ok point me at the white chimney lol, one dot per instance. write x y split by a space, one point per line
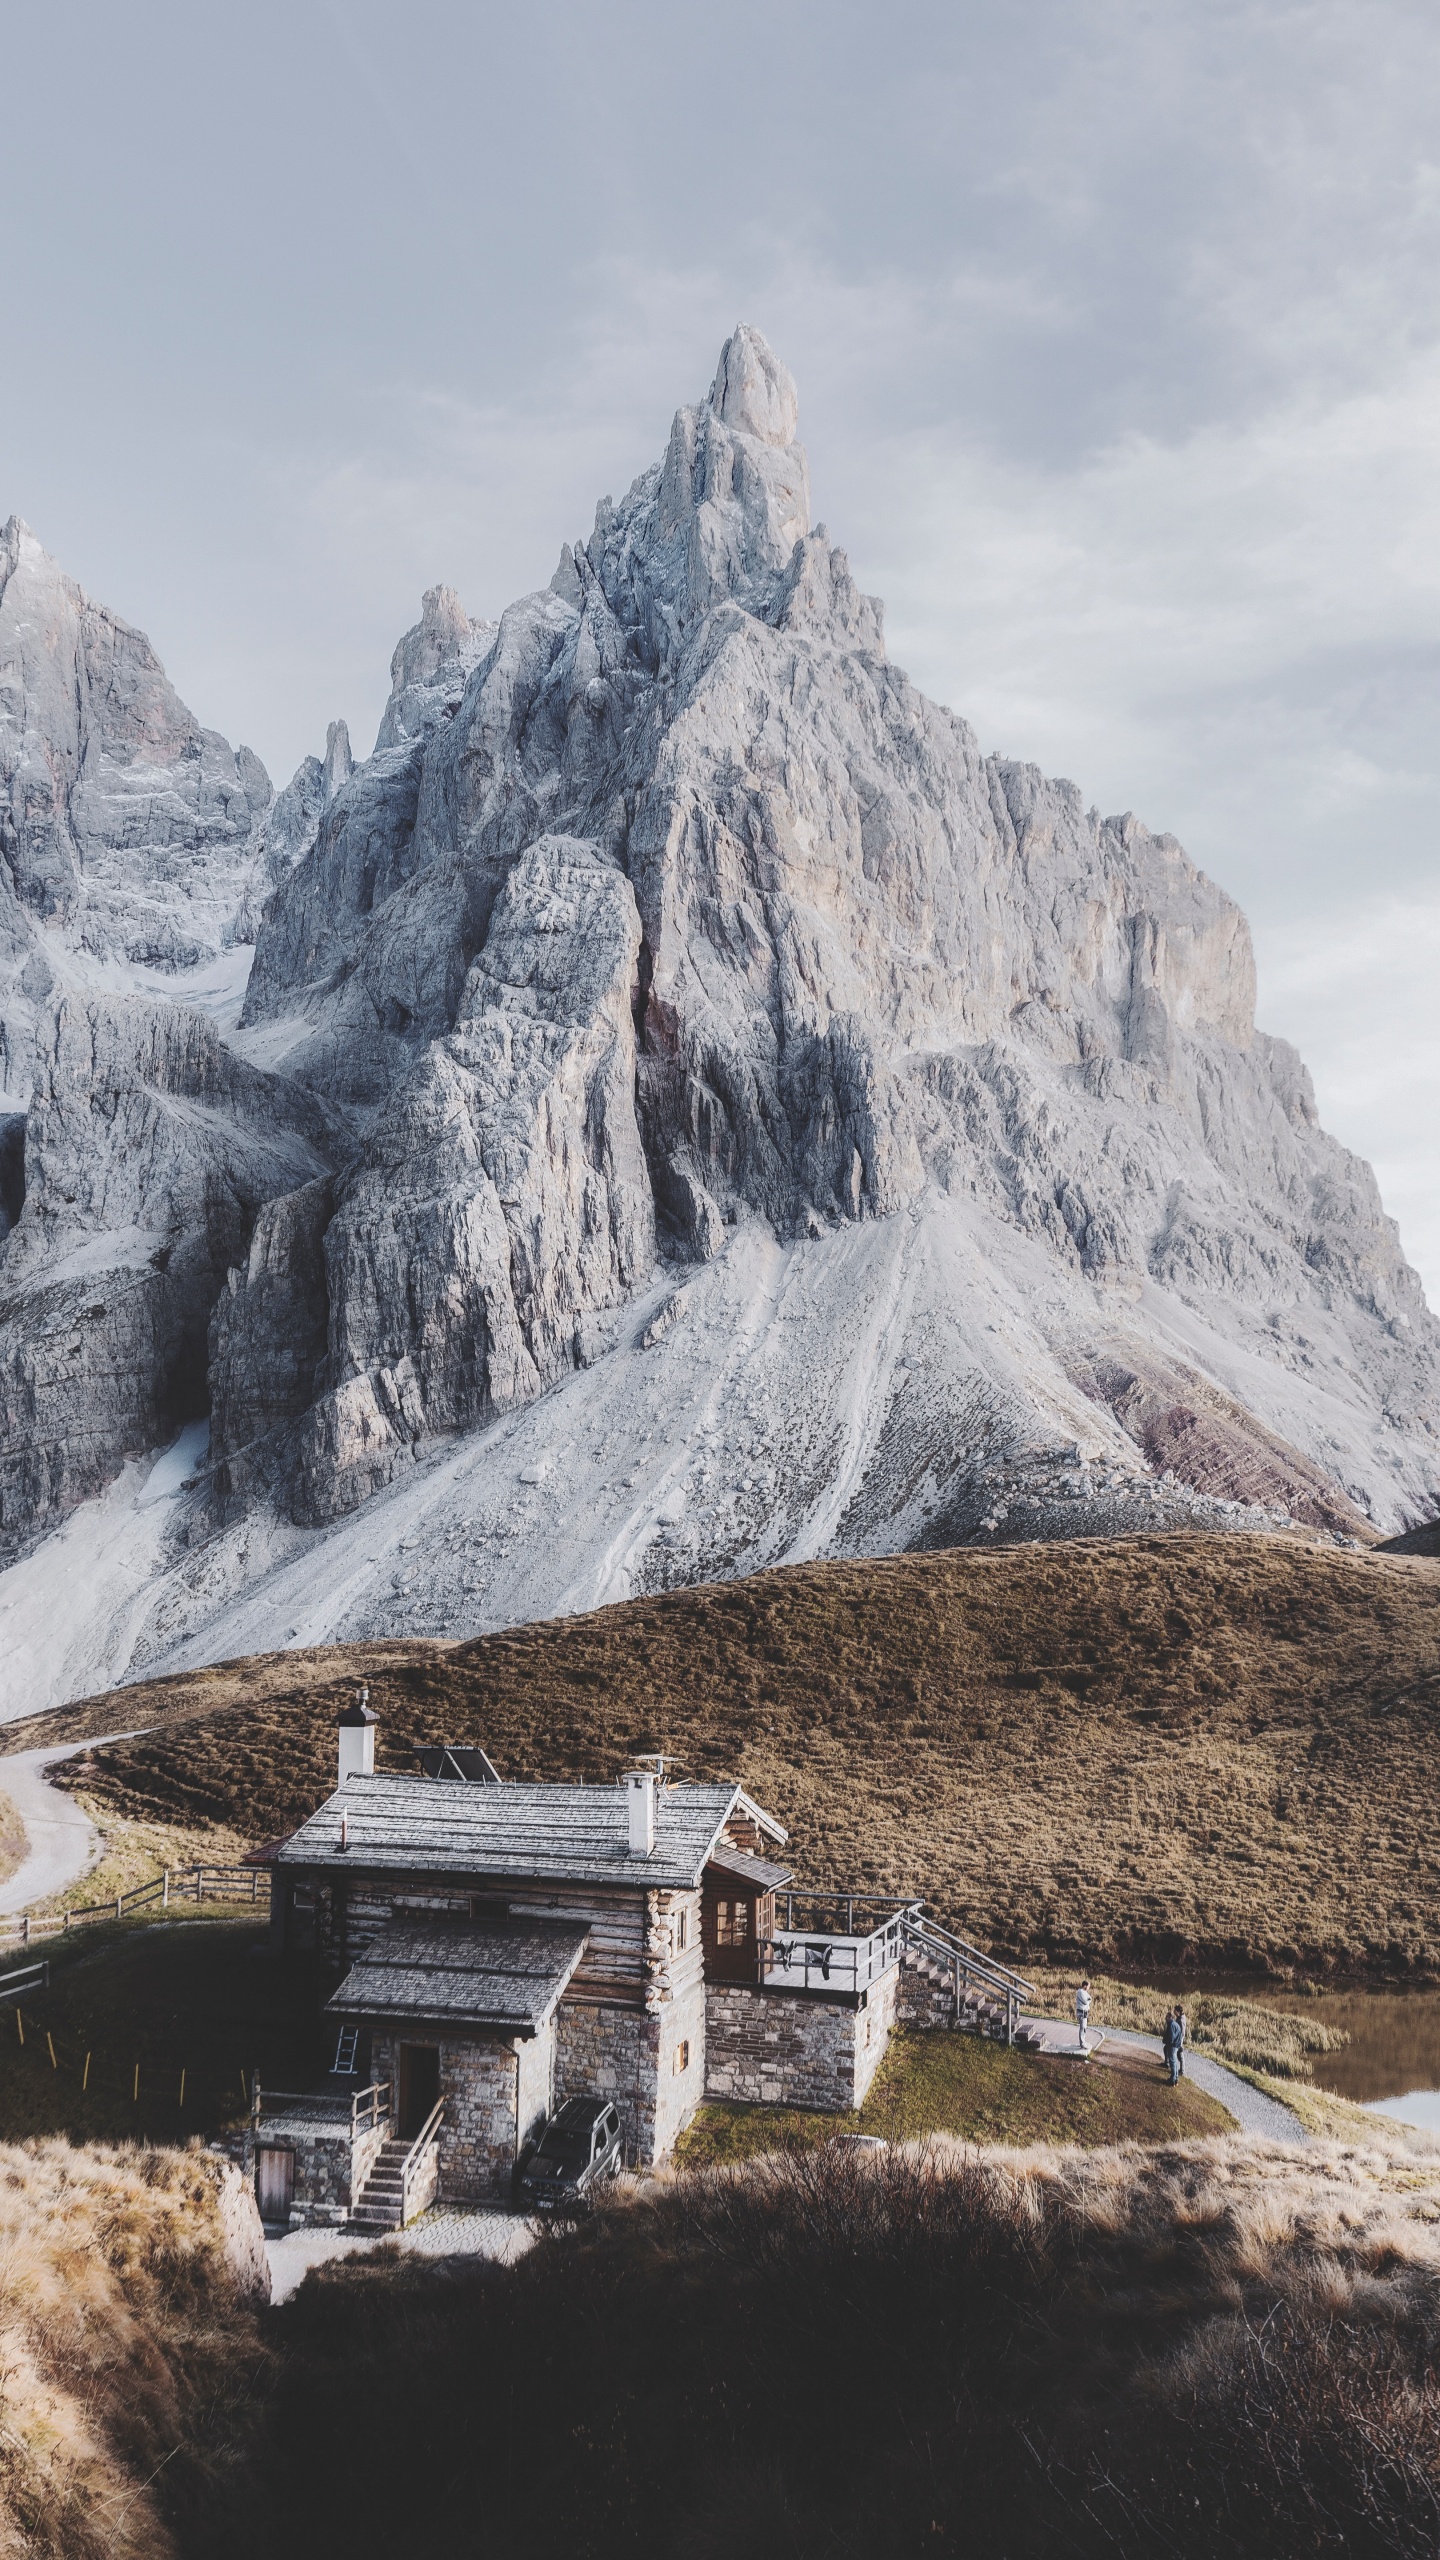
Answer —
357 1738
640 1806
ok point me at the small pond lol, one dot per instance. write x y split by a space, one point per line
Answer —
1392 2062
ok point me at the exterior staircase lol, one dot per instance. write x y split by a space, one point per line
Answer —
381 2205
403 2181
946 1983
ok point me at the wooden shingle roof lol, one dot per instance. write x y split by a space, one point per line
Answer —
752 1870
571 1834
509 1977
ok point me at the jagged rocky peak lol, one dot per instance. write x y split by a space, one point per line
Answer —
871 973
676 984
429 667
129 833
753 391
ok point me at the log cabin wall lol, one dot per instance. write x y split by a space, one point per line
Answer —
743 1833
674 1947
633 1959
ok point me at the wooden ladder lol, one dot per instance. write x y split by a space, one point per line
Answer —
346 2048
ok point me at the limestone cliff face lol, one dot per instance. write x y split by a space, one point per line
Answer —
670 925
128 832
135 1148
149 1149
501 1197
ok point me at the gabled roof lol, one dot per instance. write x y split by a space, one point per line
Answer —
752 1870
559 1834
508 1977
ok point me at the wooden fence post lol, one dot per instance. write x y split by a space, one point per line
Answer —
165 1892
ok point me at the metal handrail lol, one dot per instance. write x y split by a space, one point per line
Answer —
834 1898
922 1929
962 1960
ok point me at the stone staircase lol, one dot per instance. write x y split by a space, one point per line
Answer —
381 2205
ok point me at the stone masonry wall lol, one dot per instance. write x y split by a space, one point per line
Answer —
872 2030
678 2093
609 2052
322 2191
792 2049
478 2082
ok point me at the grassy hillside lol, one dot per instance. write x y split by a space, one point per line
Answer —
1218 1749
152 2033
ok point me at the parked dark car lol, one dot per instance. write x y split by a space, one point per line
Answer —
578 2148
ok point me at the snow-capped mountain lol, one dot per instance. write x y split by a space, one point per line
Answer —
690 1109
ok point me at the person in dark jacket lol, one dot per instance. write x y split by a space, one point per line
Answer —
1171 2037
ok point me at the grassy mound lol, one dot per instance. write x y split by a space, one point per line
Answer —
1219 1750
978 2092
13 1843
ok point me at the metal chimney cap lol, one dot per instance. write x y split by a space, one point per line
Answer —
357 1714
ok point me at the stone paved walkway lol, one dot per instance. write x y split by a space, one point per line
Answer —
446 2232
1252 2110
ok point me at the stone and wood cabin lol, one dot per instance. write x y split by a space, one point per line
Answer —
499 1948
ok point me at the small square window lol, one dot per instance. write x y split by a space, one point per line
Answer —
682 2057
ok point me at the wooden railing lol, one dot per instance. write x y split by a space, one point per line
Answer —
366 2108
26 1977
198 1883
416 2154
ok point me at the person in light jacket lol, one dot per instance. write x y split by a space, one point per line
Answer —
1082 2012
1182 2038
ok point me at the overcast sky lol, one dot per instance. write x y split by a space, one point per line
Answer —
1115 327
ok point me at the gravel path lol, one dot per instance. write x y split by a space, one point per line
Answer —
63 1840
1252 2110
447 2232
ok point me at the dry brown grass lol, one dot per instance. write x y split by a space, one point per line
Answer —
1039 2354
1217 2348
126 2355
1161 1749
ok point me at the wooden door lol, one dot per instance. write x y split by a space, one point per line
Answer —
419 2085
727 1921
274 2181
